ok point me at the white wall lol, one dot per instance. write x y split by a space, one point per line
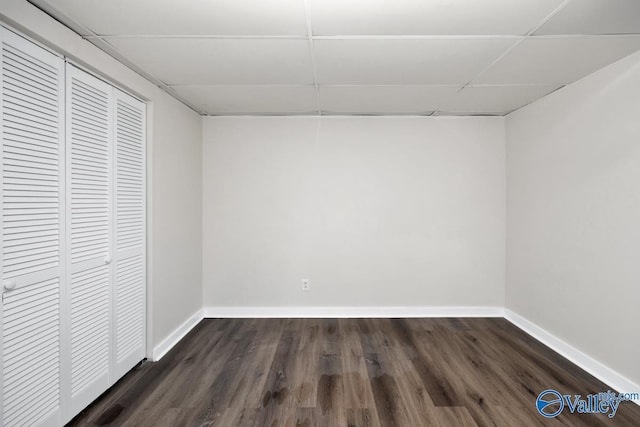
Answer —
573 221
375 211
176 215
174 244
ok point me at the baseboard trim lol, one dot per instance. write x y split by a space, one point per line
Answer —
597 369
174 337
350 312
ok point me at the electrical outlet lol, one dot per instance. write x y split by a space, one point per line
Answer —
306 286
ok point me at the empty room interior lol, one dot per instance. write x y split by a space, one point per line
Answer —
320 212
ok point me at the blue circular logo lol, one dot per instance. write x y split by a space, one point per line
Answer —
550 403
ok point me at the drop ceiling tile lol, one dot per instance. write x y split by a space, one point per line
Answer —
494 99
188 17
405 61
220 61
250 99
559 60
413 17
595 17
384 99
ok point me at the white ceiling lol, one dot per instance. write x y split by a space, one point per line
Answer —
358 56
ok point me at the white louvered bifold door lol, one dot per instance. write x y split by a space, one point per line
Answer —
89 115
129 290
31 166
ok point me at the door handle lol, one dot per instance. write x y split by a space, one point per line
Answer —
9 285
107 260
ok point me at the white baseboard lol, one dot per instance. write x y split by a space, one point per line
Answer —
350 312
600 371
174 337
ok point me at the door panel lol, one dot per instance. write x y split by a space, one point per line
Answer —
32 206
129 313
89 203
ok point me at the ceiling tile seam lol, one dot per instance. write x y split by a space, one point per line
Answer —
470 36
437 110
449 97
421 37
335 37
491 64
200 36
286 114
353 85
326 113
314 68
450 85
197 85
517 43
580 36
322 86
480 85
376 114
547 18
363 37
363 114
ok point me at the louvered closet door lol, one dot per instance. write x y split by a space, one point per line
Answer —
129 290
89 225
32 207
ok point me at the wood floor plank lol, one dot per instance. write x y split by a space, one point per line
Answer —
305 372
350 372
279 383
330 395
357 389
433 371
390 407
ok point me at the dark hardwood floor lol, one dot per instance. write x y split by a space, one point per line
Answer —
350 372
